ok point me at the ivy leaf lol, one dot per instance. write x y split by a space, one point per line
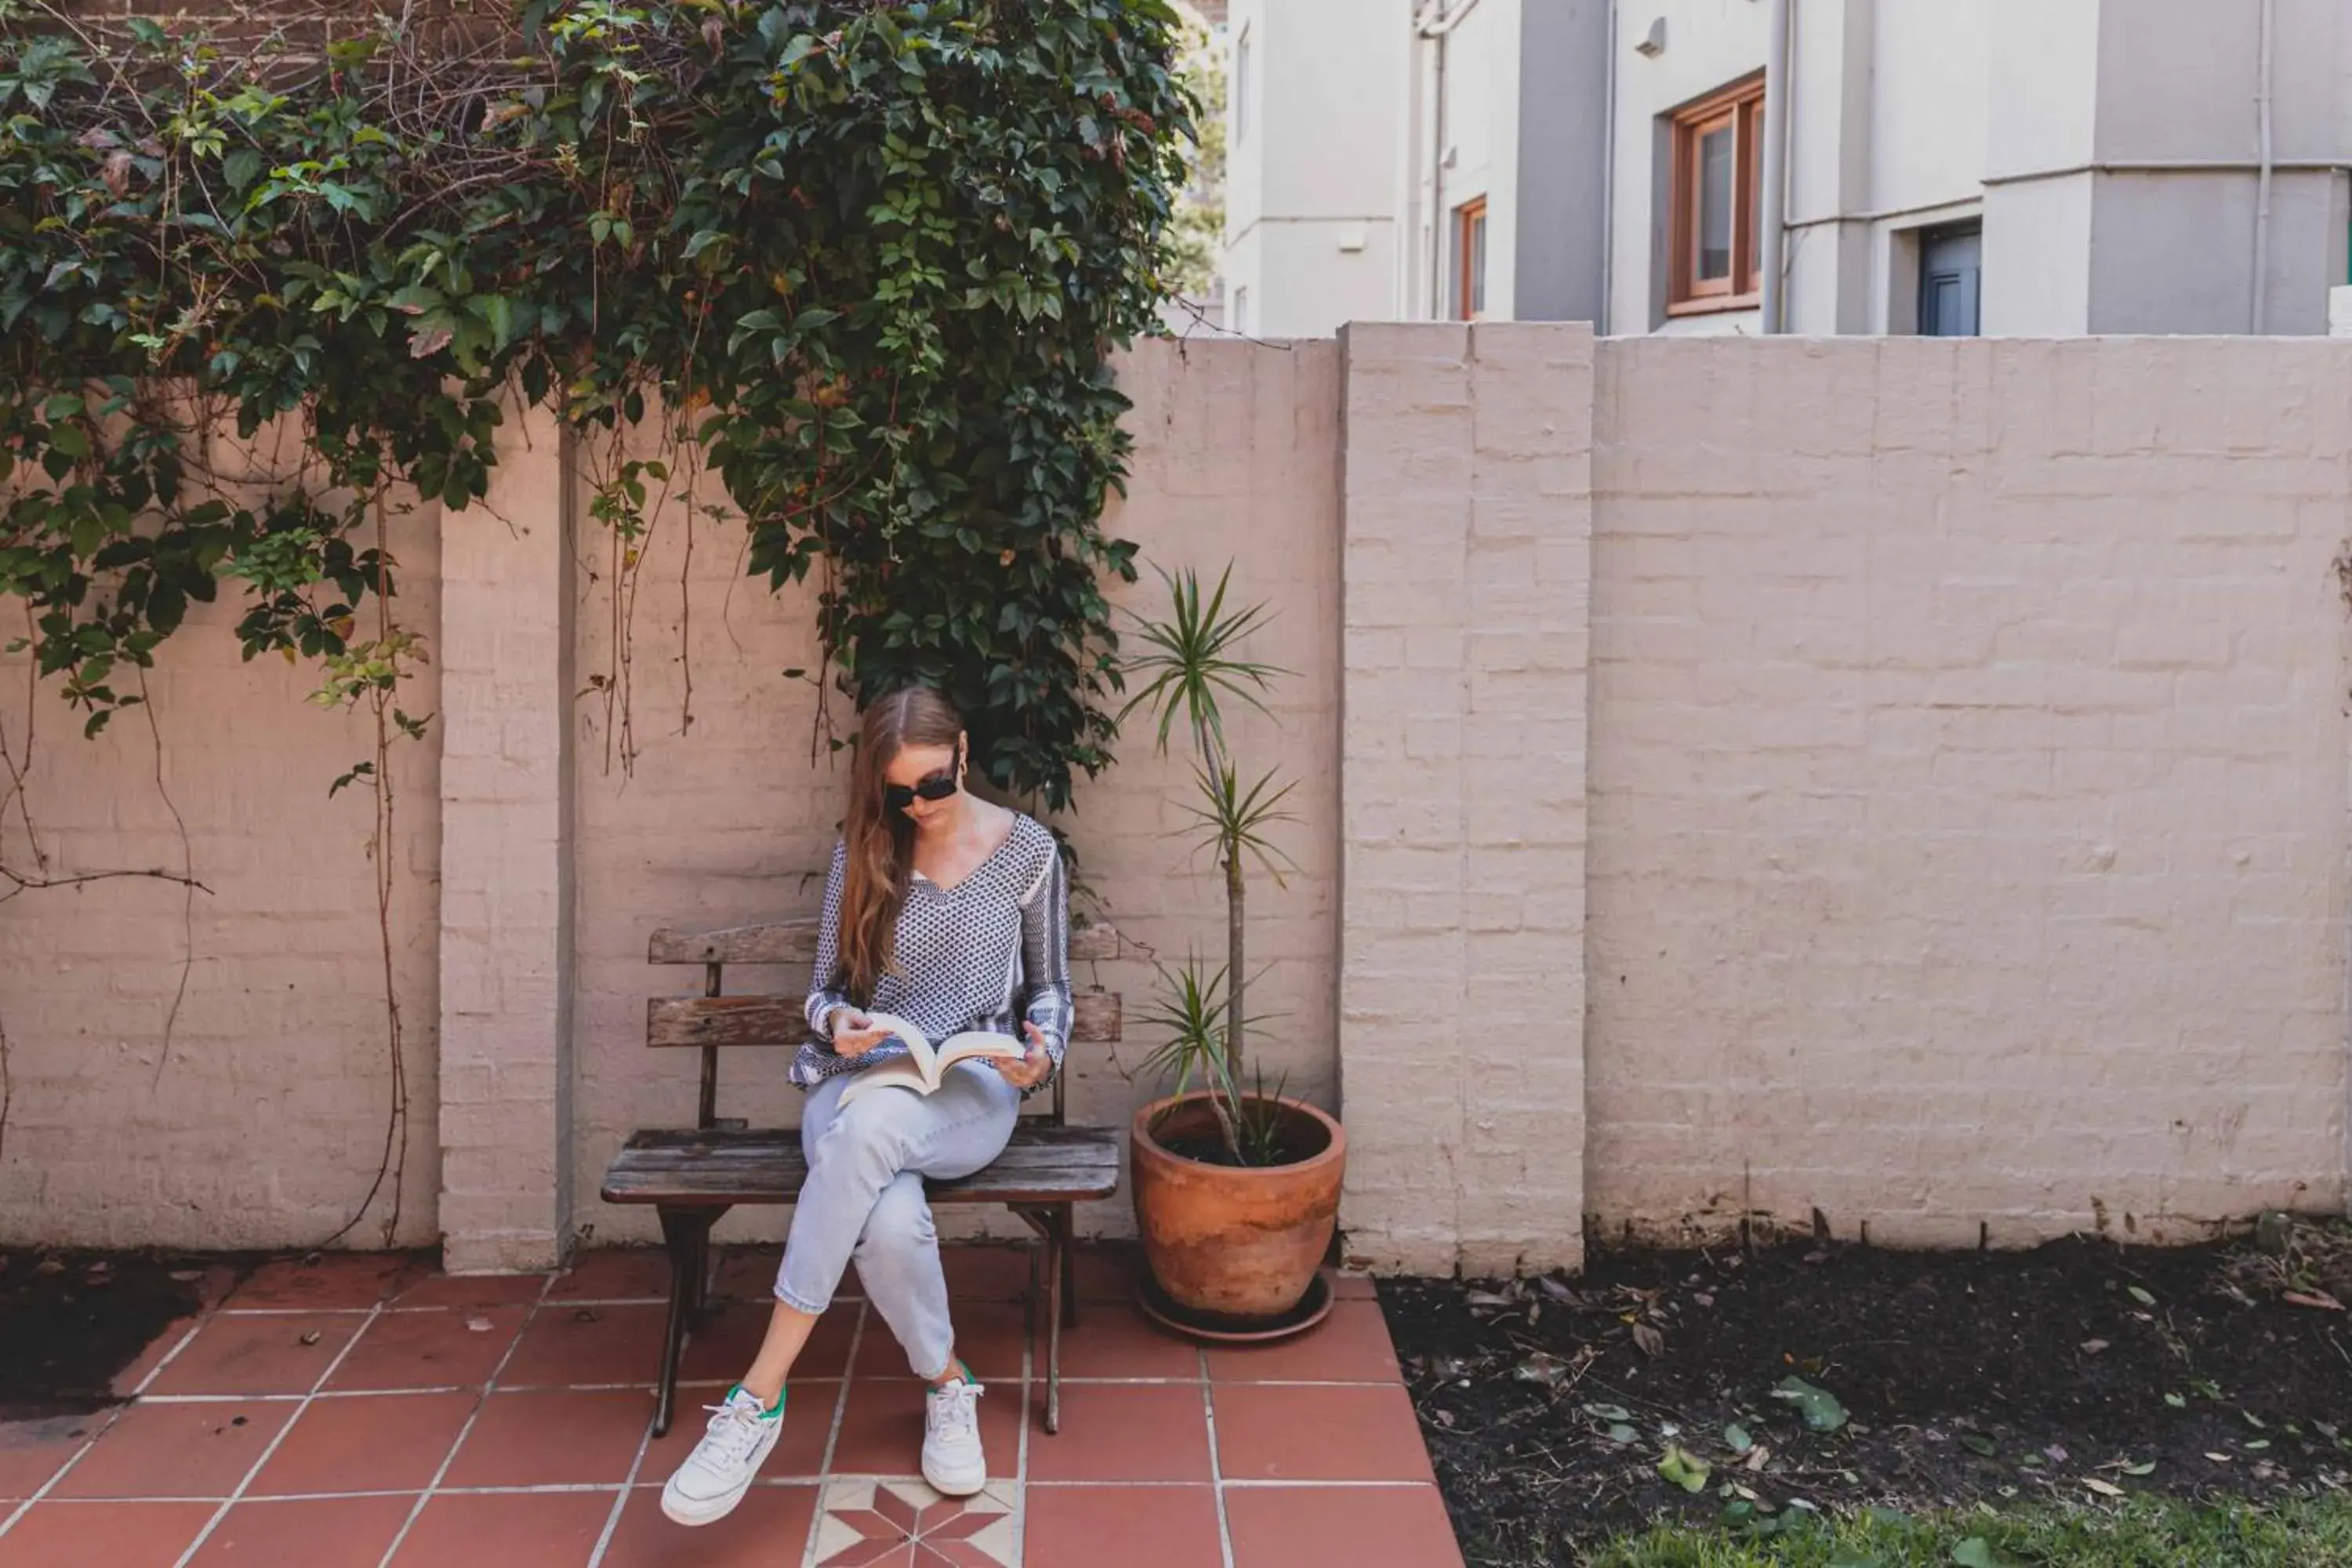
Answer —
241 168
1685 1469
1819 1408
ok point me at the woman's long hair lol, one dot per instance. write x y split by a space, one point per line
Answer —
880 841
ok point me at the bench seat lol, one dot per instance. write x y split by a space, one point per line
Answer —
726 1166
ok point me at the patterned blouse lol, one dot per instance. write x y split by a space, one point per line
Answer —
987 953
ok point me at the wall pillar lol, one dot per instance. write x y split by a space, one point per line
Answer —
1466 603
506 861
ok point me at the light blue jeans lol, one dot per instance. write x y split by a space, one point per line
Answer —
864 1198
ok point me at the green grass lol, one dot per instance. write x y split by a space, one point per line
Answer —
2145 1532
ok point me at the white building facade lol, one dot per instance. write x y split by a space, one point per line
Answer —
1950 167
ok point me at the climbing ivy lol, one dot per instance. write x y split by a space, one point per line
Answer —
866 262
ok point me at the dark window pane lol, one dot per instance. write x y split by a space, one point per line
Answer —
1717 176
1477 262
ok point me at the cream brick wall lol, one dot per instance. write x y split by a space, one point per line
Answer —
1468 571
733 815
264 1123
507 863
1969 785
1906 779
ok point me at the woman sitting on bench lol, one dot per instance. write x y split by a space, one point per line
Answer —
953 913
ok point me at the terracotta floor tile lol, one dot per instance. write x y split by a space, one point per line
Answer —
1351 1286
264 1354
555 1439
1340 1527
474 1290
33 1451
725 1343
769 1528
338 1279
1112 1432
808 1422
1114 1339
1133 1527
1351 1345
1314 1433
1108 1272
372 1443
115 1534
177 1450
986 1272
614 1273
127 1381
512 1530
882 1428
572 1346
989 1336
317 1532
455 1349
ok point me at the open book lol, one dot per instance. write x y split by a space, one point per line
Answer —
925 1065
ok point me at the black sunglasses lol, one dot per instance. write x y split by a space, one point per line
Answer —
938 786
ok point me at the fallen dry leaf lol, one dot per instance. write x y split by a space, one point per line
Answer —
2319 1298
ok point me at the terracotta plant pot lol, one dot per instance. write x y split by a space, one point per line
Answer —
1240 1242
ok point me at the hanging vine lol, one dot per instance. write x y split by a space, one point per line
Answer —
865 260
870 258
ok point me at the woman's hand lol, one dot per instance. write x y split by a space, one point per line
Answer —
1034 1063
854 1034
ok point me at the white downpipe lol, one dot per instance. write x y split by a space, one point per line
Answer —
1609 179
1775 215
2262 291
1434 26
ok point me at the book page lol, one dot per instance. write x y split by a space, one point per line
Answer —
918 1044
979 1043
902 1073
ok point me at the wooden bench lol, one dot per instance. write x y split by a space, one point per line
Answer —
692 1175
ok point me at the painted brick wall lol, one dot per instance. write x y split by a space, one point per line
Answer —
264 1123
1467 569
1969 784
1950 837
729 816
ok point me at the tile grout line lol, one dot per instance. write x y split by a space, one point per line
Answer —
270 1449
1030 1325
784 1483
465 1429
832 1434
138 1392
1216 1465
41 1493
628 1489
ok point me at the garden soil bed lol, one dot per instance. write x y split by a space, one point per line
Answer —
71 1322
2080 1370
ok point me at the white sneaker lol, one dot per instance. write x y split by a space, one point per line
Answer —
715 1477
952 1461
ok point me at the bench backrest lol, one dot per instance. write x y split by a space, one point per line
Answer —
715 1019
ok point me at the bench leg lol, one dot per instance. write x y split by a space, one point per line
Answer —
686 1235
1052 1222
1059 1300
1070 1224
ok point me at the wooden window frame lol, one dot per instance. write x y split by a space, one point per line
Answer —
1740 107
1468 286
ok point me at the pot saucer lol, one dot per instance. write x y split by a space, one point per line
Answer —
1219 1328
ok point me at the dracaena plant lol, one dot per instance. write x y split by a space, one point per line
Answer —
1187 665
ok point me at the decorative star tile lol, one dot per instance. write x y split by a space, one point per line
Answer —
906 1524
